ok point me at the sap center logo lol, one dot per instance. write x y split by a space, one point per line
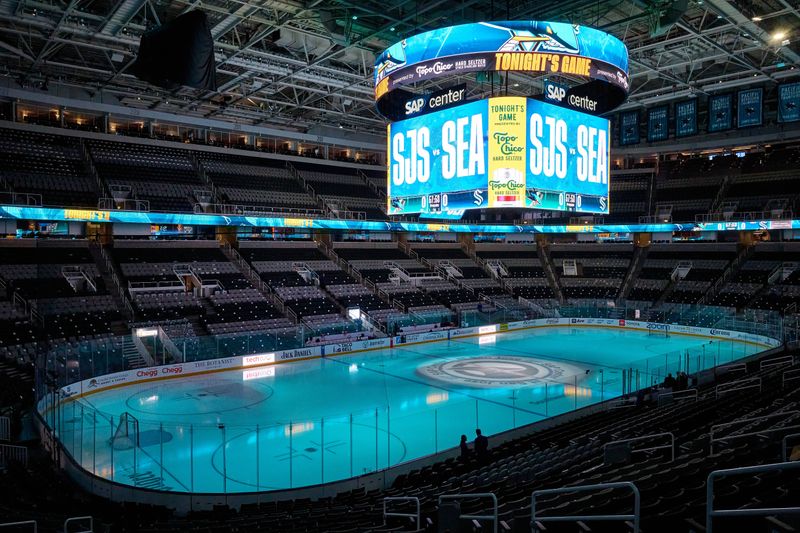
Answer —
497 371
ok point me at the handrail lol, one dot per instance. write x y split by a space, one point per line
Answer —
734 367
14 453
5 428
493 517
790 375
739 384
745 421
23 523
764 511
671 446
786 438
415 516
586 488
680 395
776 361
77 518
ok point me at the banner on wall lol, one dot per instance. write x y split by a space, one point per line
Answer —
629 128
686 118
789 102
750 108
720 112
658 123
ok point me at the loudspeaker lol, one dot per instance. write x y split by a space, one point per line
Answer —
179 52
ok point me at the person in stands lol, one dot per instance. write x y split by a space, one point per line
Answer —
481 447
464 448
669 382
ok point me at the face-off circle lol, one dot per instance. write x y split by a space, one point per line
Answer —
498 371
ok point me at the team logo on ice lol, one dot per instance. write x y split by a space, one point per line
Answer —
496 371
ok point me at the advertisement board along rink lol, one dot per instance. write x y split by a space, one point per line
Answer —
263 426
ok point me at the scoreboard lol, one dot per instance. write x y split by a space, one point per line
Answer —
498 152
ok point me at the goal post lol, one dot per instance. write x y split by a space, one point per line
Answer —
126 436
658 330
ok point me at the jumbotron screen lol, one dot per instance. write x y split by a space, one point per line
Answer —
499 152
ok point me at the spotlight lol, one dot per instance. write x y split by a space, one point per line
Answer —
778 35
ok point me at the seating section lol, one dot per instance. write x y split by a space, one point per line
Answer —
60 284
298 273
776 269
343 189
706 263
594 271
50 166
630 194
730 185
174 177
252 182
164 177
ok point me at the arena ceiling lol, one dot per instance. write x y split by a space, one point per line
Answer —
298 64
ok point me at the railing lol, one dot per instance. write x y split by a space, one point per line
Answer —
155 285
20 524
240 209
745 421
776 361
741 216
677 396
741 384
670 447
784 442
412 499
711 513
493 517
536 521
87 519
127 204
730 369
17 454
790 375
5 428
21 198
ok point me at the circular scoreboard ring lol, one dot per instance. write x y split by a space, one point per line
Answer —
597 58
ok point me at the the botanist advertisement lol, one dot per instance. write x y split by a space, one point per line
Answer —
507 152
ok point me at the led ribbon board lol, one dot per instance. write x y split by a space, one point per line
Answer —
16 212
498 152
598 59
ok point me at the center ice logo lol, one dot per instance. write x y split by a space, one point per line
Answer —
497 371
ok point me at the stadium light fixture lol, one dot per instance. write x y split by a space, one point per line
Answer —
756 19
779 35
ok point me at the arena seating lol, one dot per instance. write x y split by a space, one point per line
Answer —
705 264
247 181
598 269
630 191
342 190
164 177
51 166
59 284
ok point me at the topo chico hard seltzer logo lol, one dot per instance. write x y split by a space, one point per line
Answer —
498 371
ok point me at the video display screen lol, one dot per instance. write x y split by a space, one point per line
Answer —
495 153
